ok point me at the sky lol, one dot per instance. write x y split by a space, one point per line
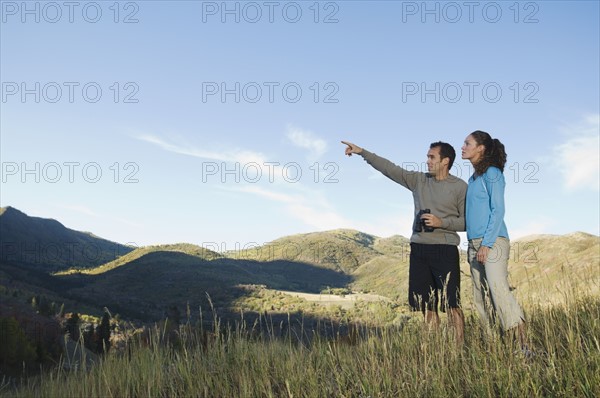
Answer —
219 123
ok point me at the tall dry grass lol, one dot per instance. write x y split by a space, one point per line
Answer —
398 361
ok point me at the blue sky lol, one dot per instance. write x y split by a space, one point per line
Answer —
226 133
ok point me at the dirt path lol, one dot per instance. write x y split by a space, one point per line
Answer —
345 302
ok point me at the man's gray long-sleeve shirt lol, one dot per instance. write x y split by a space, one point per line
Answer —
445 199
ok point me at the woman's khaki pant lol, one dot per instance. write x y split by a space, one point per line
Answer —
492 278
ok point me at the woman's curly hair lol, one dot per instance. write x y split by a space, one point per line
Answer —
494 154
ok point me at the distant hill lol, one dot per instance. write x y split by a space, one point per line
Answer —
305 263
378 265
186 248
545 268
143 282
150 282
342 250
46 244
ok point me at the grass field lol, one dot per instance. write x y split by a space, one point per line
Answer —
389 361
380 350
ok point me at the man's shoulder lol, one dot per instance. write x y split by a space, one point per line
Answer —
459 182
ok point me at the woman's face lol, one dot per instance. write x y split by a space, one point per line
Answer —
471 150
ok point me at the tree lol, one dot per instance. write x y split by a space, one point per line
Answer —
172 326
73 326
15 350
44 307
41 305
90 338
103 332
174 316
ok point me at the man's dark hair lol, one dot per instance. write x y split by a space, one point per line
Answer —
446 151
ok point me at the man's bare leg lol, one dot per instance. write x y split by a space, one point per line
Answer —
432 319
456 319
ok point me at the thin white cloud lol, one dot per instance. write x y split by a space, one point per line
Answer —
310 208
306 140
313 210
578 157
233 155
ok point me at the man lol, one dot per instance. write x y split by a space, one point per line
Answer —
434 258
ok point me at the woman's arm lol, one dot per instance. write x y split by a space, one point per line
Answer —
495 185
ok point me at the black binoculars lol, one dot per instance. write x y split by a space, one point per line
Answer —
420 225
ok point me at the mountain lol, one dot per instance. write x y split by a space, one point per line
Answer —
46 244
143 282
342 250
378 265
157 279
185 273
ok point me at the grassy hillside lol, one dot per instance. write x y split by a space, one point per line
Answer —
279 357
396 246
186 248
545 268
184 273
341 250
143 282
384 275
556 278
150 282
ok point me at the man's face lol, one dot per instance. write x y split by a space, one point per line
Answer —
434 162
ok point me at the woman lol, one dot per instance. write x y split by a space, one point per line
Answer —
489 245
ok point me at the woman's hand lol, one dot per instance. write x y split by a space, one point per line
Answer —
351 148
482 254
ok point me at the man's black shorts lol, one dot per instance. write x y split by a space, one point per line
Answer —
433 269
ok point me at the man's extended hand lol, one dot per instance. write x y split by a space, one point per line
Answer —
432 220
351 148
